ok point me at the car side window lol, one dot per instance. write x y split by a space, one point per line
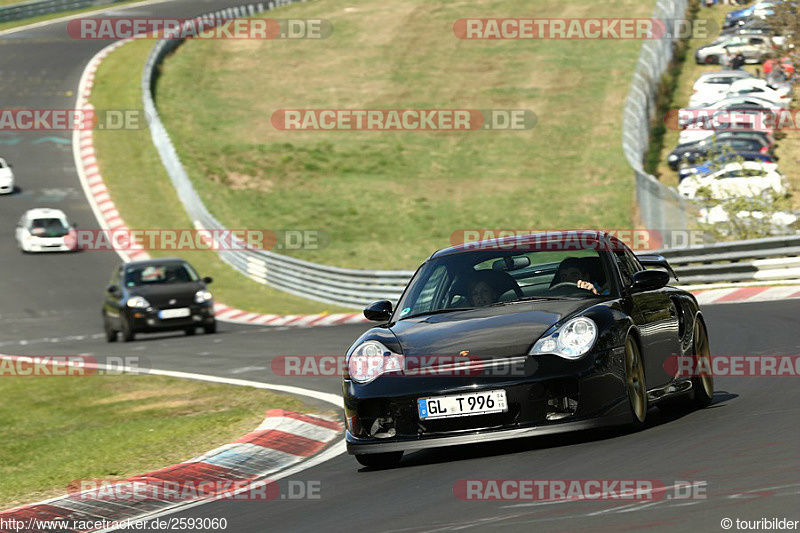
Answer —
628 266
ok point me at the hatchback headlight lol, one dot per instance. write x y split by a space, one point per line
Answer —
202 296
370 360
571 341
138 302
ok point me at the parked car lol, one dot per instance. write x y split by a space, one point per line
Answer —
710 85
693 153
720 160
689 115
754 48
746 118
45 230
748 179
758 11
779 94
499 341
6 177
157 295
752 26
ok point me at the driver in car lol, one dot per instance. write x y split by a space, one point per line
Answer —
571 271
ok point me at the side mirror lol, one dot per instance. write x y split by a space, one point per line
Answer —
649 280
207 280
112 289
379 311
74 225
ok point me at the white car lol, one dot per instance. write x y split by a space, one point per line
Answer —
6 177
712 86
45 230
779 94
748 179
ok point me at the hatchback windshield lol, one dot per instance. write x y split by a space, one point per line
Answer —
484 278
160 274
48 227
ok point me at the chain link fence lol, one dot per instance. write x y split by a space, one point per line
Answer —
660 207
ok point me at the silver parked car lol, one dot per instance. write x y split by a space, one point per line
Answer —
754 48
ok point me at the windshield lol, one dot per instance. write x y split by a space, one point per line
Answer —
48 227
160 275
499 277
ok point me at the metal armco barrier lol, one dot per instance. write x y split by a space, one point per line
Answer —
46 7
340 286
770 259
659 206
758 260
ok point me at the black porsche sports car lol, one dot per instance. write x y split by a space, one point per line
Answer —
520 337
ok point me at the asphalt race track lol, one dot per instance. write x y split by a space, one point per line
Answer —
746 446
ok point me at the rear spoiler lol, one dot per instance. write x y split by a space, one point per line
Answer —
655 260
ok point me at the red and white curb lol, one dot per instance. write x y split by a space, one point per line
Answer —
284 439
746 294
109 217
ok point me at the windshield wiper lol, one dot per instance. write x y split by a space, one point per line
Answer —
531 299
438 312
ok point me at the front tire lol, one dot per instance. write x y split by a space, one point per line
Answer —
702 385
379 460
635 383
210 329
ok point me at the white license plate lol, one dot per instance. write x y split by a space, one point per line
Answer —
473 403
174 313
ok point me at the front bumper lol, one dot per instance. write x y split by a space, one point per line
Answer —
36 247
6 188
554 395
148 321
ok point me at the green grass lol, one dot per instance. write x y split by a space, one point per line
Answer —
42 18
388 199
60 429
146 198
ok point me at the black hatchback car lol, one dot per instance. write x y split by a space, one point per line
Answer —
157 295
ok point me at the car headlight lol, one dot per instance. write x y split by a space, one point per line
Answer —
138 302
202 296
370 360
571 341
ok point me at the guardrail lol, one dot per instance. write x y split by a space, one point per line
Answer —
38 8
659 206
757 260
770 259
340 286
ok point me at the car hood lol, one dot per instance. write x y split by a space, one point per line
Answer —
6 175
488 332
162 295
